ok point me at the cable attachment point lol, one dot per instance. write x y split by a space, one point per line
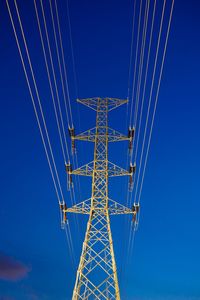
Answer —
63 209
69 175
135 209
131 132
132 171
72 136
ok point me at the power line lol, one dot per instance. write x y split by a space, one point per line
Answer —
58 188
133 228
128 198
140 67
63 60
65 73
145 79
72 51
135 66
143 43
70 243
150 98
50 84
44 52
101 103
144 88
131 48
54 75
156 100
36 89
141 62
153 117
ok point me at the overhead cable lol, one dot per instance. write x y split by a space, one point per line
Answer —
33 101
51 87
145 81
150 98
54 75
135 65
156 100
142 52
63 62
131 48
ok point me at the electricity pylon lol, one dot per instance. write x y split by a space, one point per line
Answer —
97 272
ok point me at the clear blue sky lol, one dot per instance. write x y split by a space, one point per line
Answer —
33 249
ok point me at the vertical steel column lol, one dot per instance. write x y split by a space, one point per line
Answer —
97 273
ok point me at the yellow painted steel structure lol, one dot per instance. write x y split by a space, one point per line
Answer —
97 272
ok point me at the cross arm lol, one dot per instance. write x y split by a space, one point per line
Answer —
112 169
114 208
90 135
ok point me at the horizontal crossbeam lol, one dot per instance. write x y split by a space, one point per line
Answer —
110 103
90 135
114 208
112 169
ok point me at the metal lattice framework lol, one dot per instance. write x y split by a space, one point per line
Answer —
97 272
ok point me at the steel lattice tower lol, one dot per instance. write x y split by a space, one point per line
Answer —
97 272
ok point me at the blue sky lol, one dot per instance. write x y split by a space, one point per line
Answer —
165 261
